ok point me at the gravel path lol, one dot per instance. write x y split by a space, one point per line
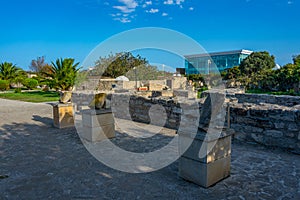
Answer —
39 161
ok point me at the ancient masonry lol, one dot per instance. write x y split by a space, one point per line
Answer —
265 119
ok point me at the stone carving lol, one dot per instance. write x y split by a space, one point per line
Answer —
65 97
212 107
99 101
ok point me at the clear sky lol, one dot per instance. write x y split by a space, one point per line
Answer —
73 28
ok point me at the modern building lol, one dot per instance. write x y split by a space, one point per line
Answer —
214 62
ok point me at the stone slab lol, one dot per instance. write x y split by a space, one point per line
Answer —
202 174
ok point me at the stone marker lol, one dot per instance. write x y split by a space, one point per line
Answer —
63 116
207 160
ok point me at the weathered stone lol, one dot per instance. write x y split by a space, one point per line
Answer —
167 93
65 97
259 113
279 125
289 134
214 150
202 174
97 125
252 129
184 115
97 134
257 137
97 119
240 111
273 133
212 107
293 127
63 115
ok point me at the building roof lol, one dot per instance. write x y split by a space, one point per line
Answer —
242 51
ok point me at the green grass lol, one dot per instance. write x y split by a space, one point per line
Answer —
33 96
256 91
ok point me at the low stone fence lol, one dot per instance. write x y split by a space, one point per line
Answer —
267 124
143 109
282 100
276 122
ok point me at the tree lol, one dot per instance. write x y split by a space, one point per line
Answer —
63 74
30 83
232 73
117 65
38 64
288 76
4 85
11 73
296 60
255 68
146 72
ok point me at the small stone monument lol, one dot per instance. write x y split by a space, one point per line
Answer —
98 122
63 115
207 160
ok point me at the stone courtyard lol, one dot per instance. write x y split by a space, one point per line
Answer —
39 161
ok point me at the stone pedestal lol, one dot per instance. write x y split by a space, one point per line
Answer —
63 115
97 125
209 166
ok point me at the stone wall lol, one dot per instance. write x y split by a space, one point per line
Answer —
269 124
282 100
138 109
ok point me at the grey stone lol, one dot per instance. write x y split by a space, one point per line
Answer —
273 133
214 150
202 174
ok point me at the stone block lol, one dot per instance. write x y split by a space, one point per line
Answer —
63 115
273 133
181 93
92 118
213 150
155 86
167 93
203 174
97 134
97 125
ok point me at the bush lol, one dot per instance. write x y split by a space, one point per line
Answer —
4 85
30 83
201 90
18 90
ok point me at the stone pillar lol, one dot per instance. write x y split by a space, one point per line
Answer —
207 159
63 115
210 167
97 125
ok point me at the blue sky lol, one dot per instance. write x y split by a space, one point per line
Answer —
73 28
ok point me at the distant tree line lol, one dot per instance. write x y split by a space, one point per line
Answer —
258 72
59 75
126 64
63 74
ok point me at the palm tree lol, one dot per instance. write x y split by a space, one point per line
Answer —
11 73
63 73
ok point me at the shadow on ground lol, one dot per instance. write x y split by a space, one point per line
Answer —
39 161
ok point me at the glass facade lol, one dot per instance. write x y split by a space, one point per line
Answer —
214 62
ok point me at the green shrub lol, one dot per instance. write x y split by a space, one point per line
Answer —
204 88
4 85
30 83
18 90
